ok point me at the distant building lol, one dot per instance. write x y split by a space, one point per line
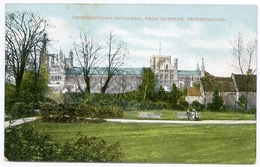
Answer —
167 73
230 90
63 77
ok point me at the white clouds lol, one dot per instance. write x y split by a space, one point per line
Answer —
210 43
62 33
172 30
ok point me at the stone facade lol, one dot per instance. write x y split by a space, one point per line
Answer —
63 77
167 73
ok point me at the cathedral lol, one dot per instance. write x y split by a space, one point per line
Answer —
63 77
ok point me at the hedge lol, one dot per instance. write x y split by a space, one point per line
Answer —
75 112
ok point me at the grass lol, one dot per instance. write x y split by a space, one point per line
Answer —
206 115
167 143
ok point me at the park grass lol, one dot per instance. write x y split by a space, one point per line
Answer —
206 115
166 143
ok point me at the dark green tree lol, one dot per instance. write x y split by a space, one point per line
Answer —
217 103
161 94
147 89
175 95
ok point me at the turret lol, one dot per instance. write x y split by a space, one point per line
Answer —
202 68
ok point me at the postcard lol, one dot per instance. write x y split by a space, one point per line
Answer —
130 83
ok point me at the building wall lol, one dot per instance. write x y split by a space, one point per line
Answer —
119 84
251 99
229 98
166 73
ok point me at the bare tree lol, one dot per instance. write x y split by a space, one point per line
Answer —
115 56
24 32
244 54
245 60
86 58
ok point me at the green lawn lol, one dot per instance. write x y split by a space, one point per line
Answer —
206 115
167 143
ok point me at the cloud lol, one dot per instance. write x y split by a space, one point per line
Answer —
210 43
172 30
61 33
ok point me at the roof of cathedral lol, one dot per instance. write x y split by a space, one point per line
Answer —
188 73
103 71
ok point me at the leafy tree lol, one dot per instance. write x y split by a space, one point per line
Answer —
161 94
175 94
217 102
147 89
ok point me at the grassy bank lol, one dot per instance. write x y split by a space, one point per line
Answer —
167 143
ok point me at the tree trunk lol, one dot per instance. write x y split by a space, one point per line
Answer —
104 88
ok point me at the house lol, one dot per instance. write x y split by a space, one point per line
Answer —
246 85
229 88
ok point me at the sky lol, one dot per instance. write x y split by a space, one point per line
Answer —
186 32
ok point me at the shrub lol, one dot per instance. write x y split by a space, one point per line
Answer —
24 144
196 105
184 104
74 112
20 110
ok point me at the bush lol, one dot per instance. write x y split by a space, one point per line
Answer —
24 144
184 104
196 105
21 110
74 112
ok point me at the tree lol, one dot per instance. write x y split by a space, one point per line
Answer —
217 102
115 56
244 55
86 58
147 88
245 59
24 32
175 94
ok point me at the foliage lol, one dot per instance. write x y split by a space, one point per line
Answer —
161 94
24 144
91 149
147 89
25 34
196 105
242 101
175 94
75 112
9 97
184 104
21 110
217 102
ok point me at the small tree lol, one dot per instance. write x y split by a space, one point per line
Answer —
217 103
161 94
175 95
147 89
242 101
117 50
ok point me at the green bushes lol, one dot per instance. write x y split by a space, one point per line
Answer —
74 112
21 110
24 144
